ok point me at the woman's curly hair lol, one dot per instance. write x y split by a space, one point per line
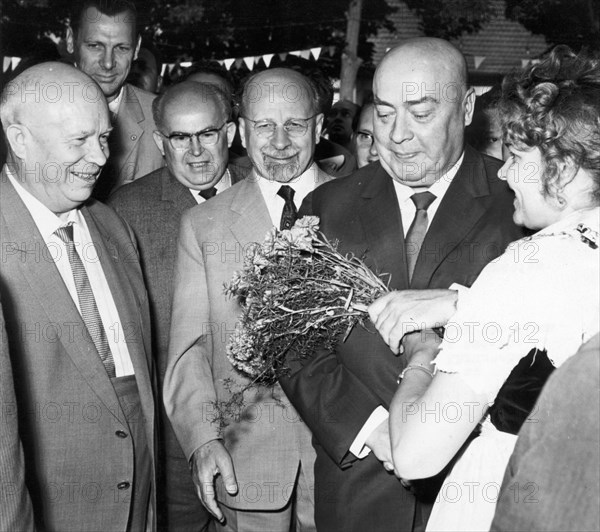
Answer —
554 105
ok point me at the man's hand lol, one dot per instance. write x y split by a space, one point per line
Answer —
208 461
380 445
404 311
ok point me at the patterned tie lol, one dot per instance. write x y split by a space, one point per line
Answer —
208 193
290 213
418 229
87 303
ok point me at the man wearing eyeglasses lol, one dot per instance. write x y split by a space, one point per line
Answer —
258 473
193 134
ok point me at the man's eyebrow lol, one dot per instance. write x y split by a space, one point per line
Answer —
425 99
377 101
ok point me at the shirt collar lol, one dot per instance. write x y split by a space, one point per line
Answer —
116 103
439 188
302 185
47 222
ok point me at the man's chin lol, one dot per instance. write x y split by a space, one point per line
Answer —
283 173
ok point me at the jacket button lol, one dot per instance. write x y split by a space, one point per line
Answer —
133 137
121 434
123 485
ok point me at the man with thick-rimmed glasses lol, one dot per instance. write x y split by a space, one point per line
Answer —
193 133
258 475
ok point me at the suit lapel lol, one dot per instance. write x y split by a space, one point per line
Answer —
464 203
380 217
250 217
174 192
52 295
128 131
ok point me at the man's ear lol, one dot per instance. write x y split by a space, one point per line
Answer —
70 40
158 140
231 128
137 47
319 126
16 136
242 126
469 103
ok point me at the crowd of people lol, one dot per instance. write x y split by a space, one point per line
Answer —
470 399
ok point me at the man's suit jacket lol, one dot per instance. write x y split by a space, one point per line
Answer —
75 435
133 152
335 393
268 441
16 513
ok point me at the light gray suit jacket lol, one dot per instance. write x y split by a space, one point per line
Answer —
133 152
15 505
269 441
70 419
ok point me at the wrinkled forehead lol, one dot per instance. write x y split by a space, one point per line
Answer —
192 112
121 24
289 96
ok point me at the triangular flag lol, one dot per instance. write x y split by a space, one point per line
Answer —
524 63
239 62
282 56
185 64
15 62
296 53
331 50
316 52
305 54
6 64
228 63
478 60
220 61
249 62
267 59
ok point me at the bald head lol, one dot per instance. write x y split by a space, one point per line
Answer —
56 123
189 95
279 83
422 105
43 91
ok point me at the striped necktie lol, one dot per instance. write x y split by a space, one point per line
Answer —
87 302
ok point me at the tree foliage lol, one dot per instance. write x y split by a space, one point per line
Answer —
572 22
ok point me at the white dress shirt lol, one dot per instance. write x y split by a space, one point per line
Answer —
407 212
302 185
47 222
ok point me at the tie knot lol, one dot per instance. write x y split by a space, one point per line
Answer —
65 233
423 200
287 193
208 193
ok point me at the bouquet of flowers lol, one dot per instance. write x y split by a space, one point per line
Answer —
298 294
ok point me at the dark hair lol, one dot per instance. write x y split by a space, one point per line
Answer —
106 7
555 106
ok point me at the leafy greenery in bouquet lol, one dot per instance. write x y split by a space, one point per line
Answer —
297 294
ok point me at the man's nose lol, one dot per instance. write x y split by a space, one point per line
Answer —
280 138
196 147
107 60
401 130
98 152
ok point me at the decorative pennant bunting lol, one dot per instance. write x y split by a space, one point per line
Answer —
524 62
228 63
6 64
331 50
267 59
282 56
296 53
239 62
305 54
249 62
316 52
15 62
478 59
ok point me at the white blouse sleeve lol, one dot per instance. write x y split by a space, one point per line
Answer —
541 293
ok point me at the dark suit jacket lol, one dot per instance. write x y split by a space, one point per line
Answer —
70 419
16 513
336 393
133 152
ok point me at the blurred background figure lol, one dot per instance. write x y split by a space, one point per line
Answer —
485 131
341 122
146 69
362 143
212 73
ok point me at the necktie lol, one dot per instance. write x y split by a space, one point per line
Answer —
418 229
87 303
208 193
290 213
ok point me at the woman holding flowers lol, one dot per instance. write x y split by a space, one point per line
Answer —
540 297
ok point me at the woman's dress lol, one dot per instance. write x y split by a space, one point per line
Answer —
541 295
